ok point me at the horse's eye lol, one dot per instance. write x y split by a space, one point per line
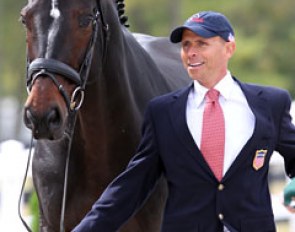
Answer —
85 20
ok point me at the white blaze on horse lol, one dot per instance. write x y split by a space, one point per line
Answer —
54 12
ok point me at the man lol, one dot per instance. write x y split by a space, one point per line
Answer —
212 141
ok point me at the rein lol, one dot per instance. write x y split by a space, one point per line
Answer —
23 187
49 68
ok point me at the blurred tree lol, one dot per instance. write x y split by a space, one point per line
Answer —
265 33
12 50
12 58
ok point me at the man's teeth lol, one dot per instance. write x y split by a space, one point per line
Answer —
195 64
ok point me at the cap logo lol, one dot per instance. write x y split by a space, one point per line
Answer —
196 18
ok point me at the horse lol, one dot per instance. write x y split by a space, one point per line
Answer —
89 79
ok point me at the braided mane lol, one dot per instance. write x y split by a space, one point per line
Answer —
121 10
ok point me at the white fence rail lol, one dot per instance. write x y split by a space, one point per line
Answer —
13 160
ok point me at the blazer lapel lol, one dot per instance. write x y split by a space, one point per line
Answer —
178 119
258 105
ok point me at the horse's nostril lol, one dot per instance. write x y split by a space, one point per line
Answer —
43 124
28 118
54 118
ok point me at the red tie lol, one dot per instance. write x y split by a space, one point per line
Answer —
213 133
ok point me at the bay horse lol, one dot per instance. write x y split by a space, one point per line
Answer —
81 51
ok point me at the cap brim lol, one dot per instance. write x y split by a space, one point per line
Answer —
176 34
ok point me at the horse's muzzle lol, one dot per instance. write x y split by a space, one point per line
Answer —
48 125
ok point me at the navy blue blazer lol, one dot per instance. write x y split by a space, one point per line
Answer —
196 200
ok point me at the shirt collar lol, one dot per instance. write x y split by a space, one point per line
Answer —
224 86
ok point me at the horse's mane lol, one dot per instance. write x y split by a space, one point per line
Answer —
121 10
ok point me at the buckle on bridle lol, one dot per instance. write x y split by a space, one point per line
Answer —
77 99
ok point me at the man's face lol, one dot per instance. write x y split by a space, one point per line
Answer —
205 59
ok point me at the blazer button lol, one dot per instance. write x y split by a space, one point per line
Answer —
220 187
220 216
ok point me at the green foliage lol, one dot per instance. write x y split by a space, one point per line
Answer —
34 208
12 49
265 34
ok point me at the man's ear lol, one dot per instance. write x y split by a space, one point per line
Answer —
230 48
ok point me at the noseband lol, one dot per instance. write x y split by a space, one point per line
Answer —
51 67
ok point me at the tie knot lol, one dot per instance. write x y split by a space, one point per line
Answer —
212 95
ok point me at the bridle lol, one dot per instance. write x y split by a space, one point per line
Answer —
50 68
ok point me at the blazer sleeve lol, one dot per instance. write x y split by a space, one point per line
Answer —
127 193
286 139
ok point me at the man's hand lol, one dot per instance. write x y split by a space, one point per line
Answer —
289 195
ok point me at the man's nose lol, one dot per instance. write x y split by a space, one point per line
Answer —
193 51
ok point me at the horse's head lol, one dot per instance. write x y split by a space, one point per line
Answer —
60 38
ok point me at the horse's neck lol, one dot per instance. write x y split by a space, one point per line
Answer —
108 125
111 116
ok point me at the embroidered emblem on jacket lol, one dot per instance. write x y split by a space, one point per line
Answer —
259 159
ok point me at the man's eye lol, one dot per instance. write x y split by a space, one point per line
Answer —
201 43
185 44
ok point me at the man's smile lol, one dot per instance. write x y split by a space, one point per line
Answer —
195 65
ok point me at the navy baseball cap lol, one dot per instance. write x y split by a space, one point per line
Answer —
205 24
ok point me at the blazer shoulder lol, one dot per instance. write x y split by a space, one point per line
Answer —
267 91
271 89
171 96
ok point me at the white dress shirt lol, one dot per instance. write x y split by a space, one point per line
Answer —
239 119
